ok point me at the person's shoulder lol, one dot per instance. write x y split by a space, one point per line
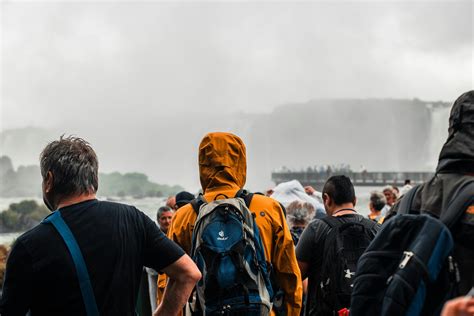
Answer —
262 201
34 236
184 214
318 224
116 206
314 232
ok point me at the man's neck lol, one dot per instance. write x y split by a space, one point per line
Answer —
67 201
343 209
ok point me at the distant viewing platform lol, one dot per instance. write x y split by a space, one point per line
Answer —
364 178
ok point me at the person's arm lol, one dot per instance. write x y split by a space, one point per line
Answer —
182 277
17 285
286 268
306 250
461 306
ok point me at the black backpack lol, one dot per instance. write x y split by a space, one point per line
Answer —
344 244
409 269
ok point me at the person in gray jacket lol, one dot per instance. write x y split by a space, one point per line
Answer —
455 170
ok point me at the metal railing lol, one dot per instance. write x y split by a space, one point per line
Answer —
358 178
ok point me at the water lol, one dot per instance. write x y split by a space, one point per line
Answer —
149 206
8 238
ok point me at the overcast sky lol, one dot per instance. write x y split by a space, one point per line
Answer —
73 63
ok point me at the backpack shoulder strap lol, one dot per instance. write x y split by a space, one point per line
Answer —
81 269
331 221
197 202
406 202
458 205
368 224
246 196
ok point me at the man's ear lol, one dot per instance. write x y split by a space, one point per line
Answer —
48 182
355 201
326 199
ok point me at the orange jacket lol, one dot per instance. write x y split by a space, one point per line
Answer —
222 168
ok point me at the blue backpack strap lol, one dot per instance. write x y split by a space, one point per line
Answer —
84 281
406 202
458 205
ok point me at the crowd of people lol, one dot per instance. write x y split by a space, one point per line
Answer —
227 251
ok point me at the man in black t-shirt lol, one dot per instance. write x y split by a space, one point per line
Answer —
115 240
339 201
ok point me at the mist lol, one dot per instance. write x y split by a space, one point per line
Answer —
144 82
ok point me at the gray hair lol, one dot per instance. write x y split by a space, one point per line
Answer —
74 166
378 200
299 212
161 210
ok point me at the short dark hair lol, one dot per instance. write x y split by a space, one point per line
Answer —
407 181
161 210
378 200
340 189
74 166
183 198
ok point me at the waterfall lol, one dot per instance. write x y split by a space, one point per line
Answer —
438 132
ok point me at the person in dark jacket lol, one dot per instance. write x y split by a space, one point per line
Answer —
115 240
455 170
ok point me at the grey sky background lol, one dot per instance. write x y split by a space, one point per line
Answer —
78 66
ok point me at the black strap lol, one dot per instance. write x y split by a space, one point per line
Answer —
197 203
283 208
458 205
331 221
243 194
246 196
406 202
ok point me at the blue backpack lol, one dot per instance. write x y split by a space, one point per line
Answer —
408 269
228 251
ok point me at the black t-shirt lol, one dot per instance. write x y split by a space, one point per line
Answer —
116 241
310 250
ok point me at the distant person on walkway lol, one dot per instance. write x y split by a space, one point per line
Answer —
376 204
329 248
115 240
223 171
455 171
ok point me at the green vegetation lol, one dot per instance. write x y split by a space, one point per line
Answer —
133 184
26 182
22 216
